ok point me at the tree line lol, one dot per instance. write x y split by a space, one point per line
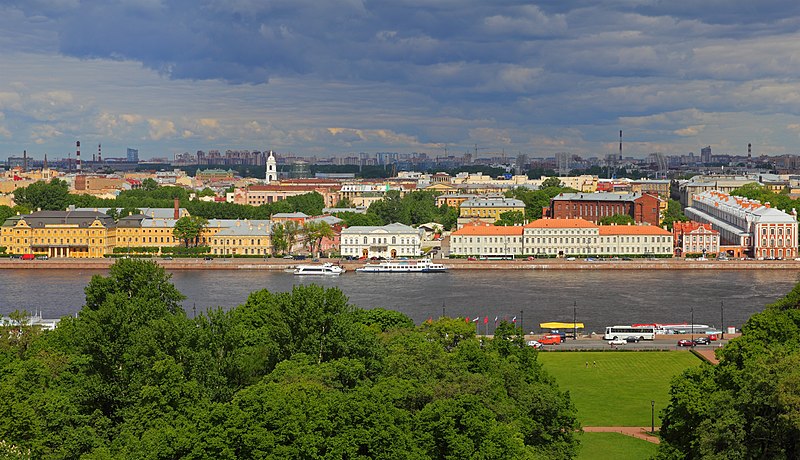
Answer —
300 374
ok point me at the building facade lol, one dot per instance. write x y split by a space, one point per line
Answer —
762 231
388 241
487 209
695 238
560 237
75 234
486 240
643 208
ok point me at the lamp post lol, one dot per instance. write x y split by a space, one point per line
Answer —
722 318
522 322
652 416
691 325
574 320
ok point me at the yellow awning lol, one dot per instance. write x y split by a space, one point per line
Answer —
557 325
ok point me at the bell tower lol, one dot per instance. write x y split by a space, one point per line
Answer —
272 169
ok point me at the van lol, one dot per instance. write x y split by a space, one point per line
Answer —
28 257
550 339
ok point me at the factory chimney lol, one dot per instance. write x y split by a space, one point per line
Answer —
24 161
78 156
620 145
99 154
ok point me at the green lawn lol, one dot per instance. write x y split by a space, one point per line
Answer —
617 390
613 446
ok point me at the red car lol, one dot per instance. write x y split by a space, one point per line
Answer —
686 343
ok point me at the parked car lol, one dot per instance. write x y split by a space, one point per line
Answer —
535 344
702 341
28 257
16 256
472 258
632 339
207 258
686 343
617 342
42 257
167 257
550 339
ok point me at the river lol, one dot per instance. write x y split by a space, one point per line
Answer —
600 298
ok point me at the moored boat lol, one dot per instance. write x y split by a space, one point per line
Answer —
403 266
323 269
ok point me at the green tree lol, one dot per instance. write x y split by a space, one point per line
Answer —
551 182
189 229
510 218
313 233
617 219
291 231
5 213
149 185
674 213
278 238
52 196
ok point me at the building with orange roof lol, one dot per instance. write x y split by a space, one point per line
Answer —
760 230
482 239
695 238
634 240
560 237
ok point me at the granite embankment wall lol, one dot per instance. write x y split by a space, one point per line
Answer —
454 264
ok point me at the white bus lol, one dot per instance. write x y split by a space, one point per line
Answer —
623 332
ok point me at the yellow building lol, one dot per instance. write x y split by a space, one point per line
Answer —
70 233
487 210
242 238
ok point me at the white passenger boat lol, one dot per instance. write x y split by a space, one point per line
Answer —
403 266
323 269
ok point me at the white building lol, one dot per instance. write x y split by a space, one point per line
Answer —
486 240
560 237
389 241
760 230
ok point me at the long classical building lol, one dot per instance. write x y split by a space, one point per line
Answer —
393 240
561 238
761 231
643 208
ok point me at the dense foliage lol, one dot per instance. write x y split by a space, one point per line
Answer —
748 406
55 195
764 194
414 208
535 200
301 374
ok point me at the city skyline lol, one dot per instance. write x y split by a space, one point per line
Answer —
345 77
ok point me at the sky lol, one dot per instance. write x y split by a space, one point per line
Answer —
335 77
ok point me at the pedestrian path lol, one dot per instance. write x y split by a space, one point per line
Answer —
638 432
707 354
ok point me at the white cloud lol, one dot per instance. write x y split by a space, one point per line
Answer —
160 129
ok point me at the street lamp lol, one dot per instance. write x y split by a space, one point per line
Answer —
722 318
691 325
574 320
652 416
522 322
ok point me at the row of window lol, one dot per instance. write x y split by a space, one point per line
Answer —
557 250
565 240
378 240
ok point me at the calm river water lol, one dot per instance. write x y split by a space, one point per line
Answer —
602 298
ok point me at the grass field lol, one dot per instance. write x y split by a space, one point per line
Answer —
613 446
617 390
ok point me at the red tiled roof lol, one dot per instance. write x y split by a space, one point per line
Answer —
561 223
633 230
487 229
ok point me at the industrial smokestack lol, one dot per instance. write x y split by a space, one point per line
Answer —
749 151
620 144
99 154
24 160
78 156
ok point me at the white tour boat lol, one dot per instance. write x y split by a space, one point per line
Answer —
324 269
403 266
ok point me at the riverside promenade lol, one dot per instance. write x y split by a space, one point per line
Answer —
453 264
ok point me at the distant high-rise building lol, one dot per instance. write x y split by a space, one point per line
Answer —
133 155
521 165
705 154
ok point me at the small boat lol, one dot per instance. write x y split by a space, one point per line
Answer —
403 266
323 269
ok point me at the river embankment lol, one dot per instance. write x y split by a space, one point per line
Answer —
453 264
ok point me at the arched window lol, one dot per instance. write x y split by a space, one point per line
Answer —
394 240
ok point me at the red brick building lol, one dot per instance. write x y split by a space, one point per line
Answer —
643 208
